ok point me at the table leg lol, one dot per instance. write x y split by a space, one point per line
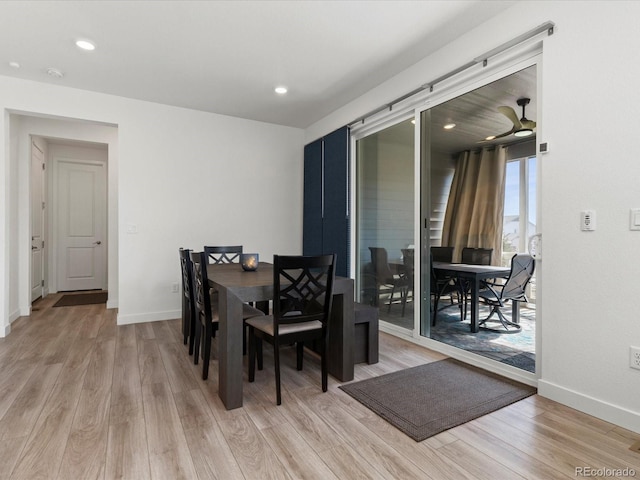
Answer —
515 311
475 287
341 337
230 349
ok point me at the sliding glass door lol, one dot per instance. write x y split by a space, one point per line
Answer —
478 191
476 188
385 230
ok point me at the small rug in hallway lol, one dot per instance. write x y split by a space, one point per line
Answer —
82 299
425 400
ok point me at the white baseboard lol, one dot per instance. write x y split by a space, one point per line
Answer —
111 303
15 315
5 331
148 317
605 411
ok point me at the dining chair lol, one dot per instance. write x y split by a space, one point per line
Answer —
223 253
207 312
385 277
188 304
302 297
473 256
408 257
442 254
441 286
477 256
514 289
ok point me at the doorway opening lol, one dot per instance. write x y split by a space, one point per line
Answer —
58 140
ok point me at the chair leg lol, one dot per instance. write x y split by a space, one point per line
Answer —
185 322
503 320
196 342
323 365
391 299
276 362
299 354
252 355
192 332
259 353
207 350
435 310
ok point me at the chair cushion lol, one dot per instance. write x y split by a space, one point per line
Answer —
265 324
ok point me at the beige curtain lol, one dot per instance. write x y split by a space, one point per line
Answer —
475 208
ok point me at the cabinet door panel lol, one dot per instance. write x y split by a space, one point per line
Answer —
335 231
312 220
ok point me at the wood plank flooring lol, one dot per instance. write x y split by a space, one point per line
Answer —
83 398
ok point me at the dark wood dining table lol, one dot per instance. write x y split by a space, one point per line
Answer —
235 286
475 274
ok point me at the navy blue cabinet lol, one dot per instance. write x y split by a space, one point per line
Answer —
326 226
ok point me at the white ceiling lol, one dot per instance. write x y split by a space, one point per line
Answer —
227 56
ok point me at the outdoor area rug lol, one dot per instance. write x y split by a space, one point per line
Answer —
425 400
82 299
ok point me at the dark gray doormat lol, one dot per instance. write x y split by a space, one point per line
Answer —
82 299
429 399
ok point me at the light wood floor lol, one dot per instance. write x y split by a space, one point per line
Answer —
81 398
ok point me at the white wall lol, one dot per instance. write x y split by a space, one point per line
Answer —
588 114
185 178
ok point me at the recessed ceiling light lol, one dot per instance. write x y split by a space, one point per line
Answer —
14 64
449 126
85 45
490 137
54 72
281 90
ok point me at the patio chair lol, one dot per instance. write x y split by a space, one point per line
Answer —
441 286
385 277
496 296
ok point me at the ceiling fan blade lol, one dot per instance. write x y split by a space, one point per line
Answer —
499 136
528 123
505 134
511 115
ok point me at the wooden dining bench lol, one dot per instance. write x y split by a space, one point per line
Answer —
365 338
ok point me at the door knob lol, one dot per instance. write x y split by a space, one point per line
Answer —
34 248
97 243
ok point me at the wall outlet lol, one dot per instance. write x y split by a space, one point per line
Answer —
634 357
175 288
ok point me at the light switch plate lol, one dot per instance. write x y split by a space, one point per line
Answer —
634 219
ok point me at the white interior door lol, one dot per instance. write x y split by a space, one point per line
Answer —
37 222
81 225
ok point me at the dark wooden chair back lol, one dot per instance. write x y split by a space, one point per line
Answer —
223 254
303 289
201 296
188 304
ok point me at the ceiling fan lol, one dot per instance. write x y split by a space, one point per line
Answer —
522 127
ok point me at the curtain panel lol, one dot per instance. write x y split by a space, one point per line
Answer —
475 208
